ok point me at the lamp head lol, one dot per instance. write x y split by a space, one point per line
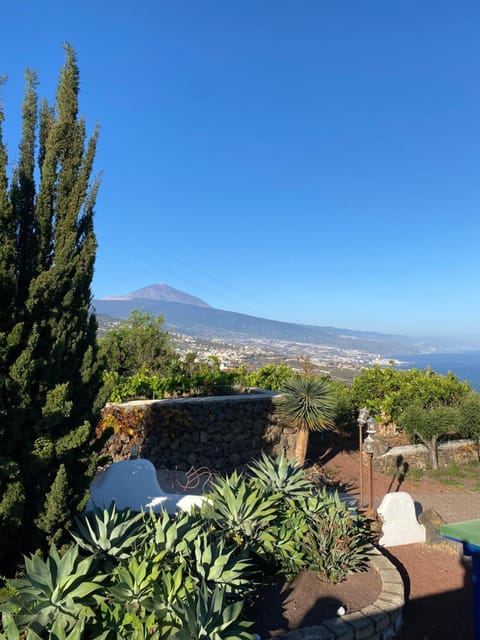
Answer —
363 415
371 425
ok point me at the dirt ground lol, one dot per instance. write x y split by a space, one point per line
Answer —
307 601
438 585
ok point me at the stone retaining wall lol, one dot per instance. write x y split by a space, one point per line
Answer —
400 459
220 433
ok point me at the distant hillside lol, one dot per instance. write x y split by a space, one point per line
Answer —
204 321
161 292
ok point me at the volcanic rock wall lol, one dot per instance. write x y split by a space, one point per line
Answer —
220 433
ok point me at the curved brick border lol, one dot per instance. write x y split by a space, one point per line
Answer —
379 621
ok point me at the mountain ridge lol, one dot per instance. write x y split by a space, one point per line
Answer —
201 320
209 322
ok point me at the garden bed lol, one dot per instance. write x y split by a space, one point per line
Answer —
309 601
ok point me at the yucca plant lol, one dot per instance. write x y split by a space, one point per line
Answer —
58 590
280 476
308 403
109 534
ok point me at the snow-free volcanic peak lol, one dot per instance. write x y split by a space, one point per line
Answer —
163 292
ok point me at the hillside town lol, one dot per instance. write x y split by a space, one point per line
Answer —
256 352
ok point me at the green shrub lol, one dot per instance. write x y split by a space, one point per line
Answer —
389 391
337 540
270 376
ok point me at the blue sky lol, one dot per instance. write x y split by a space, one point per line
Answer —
307 161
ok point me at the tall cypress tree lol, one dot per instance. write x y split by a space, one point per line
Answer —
49 373
12 495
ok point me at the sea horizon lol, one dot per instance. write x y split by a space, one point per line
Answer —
465 365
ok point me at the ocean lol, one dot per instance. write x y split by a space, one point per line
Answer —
465 365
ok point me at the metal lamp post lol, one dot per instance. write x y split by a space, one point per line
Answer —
368 445
362 421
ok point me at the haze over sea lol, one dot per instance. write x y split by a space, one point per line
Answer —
465 365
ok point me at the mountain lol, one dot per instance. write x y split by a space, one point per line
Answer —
161 292
200 320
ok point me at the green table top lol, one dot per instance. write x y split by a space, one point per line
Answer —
468 531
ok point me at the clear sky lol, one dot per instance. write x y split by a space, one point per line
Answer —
301 160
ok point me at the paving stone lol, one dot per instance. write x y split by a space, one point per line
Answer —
389 574
341 629
379 618
394 587
364 627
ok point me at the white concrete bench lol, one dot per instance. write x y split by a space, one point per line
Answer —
133 484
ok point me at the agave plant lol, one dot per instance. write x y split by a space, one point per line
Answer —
59 592
215 565
309 403
281 476
239 509
108 533
172 538
114 623
57 632
133 582
206 615
280 546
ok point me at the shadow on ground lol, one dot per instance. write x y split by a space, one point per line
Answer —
440 616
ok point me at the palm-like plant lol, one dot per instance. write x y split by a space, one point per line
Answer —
308 403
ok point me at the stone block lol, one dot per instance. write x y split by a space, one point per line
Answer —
341 629
390 603
364 627
393 588
432 521
399 520
378 617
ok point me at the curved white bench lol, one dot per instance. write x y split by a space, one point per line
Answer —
133 484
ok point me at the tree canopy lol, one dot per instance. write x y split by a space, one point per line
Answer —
49 374
389 391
